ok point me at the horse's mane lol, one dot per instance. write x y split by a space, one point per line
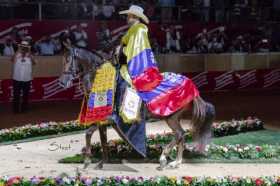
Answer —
65 37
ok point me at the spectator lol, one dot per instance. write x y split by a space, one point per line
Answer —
263 46
166 9
202 41
81 37
22 77
9 47
212 45
155 46
206 10
104 38
220 7
276 10
254 10
151 8
46 47
186 45
95 10
18 34
57 44
85 9
216 45
108 9
275 38
31 43
238 45
173 38
236 9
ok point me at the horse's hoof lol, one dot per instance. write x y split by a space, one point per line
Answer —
100 165
87 162
173 165
162 162
160 168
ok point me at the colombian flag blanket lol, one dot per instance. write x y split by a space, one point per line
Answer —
99 104
163 93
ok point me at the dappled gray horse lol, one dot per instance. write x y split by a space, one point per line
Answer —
83 64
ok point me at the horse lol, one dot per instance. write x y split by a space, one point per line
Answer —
83 63
79 63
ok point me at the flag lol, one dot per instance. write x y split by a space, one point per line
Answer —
163 93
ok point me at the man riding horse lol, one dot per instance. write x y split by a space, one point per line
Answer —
166 96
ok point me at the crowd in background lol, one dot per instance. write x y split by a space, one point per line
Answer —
168 13
159 10
265 38
47 45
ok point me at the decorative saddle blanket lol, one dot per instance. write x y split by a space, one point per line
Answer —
98 106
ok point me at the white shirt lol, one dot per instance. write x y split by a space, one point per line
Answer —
22 69
81 38
8 51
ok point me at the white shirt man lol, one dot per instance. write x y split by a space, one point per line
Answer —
22 76
22 70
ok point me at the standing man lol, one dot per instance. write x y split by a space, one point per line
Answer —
22 76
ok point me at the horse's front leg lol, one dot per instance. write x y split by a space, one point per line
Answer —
104 144
87 149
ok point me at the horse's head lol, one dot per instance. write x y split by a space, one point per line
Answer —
70 70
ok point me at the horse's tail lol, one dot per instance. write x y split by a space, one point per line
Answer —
203 116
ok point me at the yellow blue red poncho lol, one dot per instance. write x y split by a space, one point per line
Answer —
164 93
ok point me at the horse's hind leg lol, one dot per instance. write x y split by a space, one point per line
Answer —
104 144
173 123
87 150
180 139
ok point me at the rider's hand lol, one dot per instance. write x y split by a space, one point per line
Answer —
118 49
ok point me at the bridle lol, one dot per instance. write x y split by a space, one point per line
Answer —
72 71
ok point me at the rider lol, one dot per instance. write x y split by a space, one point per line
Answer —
135 131
163 94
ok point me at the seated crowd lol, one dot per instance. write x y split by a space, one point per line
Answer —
218 40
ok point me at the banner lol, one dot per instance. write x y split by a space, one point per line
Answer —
47 89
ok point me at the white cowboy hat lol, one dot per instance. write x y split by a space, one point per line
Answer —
24 44
137 11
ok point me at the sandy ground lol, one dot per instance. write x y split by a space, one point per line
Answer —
39 158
